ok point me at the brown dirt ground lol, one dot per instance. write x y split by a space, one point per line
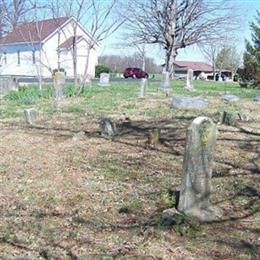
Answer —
60 195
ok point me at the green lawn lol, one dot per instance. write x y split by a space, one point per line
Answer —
121 95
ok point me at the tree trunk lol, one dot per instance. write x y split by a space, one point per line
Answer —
40 69
86 76
74 58
143 57
170 59
58 51
214 72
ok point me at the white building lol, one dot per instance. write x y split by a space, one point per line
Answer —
37 48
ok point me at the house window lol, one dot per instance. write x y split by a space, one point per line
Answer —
33 57
18 58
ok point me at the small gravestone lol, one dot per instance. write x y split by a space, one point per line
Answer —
104 80
189 85
30 116
59 81
188 103
227 118
256 99
143 88
197 171
165 84
230 98
108 128
243 116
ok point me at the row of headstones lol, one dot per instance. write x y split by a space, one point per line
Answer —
166 86
197 166
59 84
104 81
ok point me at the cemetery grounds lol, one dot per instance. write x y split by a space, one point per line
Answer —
68 193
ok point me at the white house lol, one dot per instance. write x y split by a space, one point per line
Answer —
37 48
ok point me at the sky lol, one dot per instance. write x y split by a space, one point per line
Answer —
247 8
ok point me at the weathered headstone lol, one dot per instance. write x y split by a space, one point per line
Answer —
189 85
104 80
59 81
108 128
165 83
197 171
230 98
189 103
30 116
143 87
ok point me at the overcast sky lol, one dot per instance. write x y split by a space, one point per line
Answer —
247 8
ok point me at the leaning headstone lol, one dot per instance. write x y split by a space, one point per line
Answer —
108 128
30 116
230 98
165 84
59 81
197 171
256 99
188 103
104 80
143 87
189 85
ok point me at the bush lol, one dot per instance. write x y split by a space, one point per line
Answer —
101 69
56 70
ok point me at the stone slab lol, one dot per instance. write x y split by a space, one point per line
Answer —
230 98
189 103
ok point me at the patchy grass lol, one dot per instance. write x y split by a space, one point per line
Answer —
69 196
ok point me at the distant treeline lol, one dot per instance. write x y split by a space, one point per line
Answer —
118 63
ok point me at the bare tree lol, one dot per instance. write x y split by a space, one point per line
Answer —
210 51
104 22
174 24
16 12
229 59
77 9
98 17
2 19
118 63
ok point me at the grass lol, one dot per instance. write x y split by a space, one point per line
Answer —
120 96
88 197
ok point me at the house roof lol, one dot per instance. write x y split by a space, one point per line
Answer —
69 42
33 31
194 65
